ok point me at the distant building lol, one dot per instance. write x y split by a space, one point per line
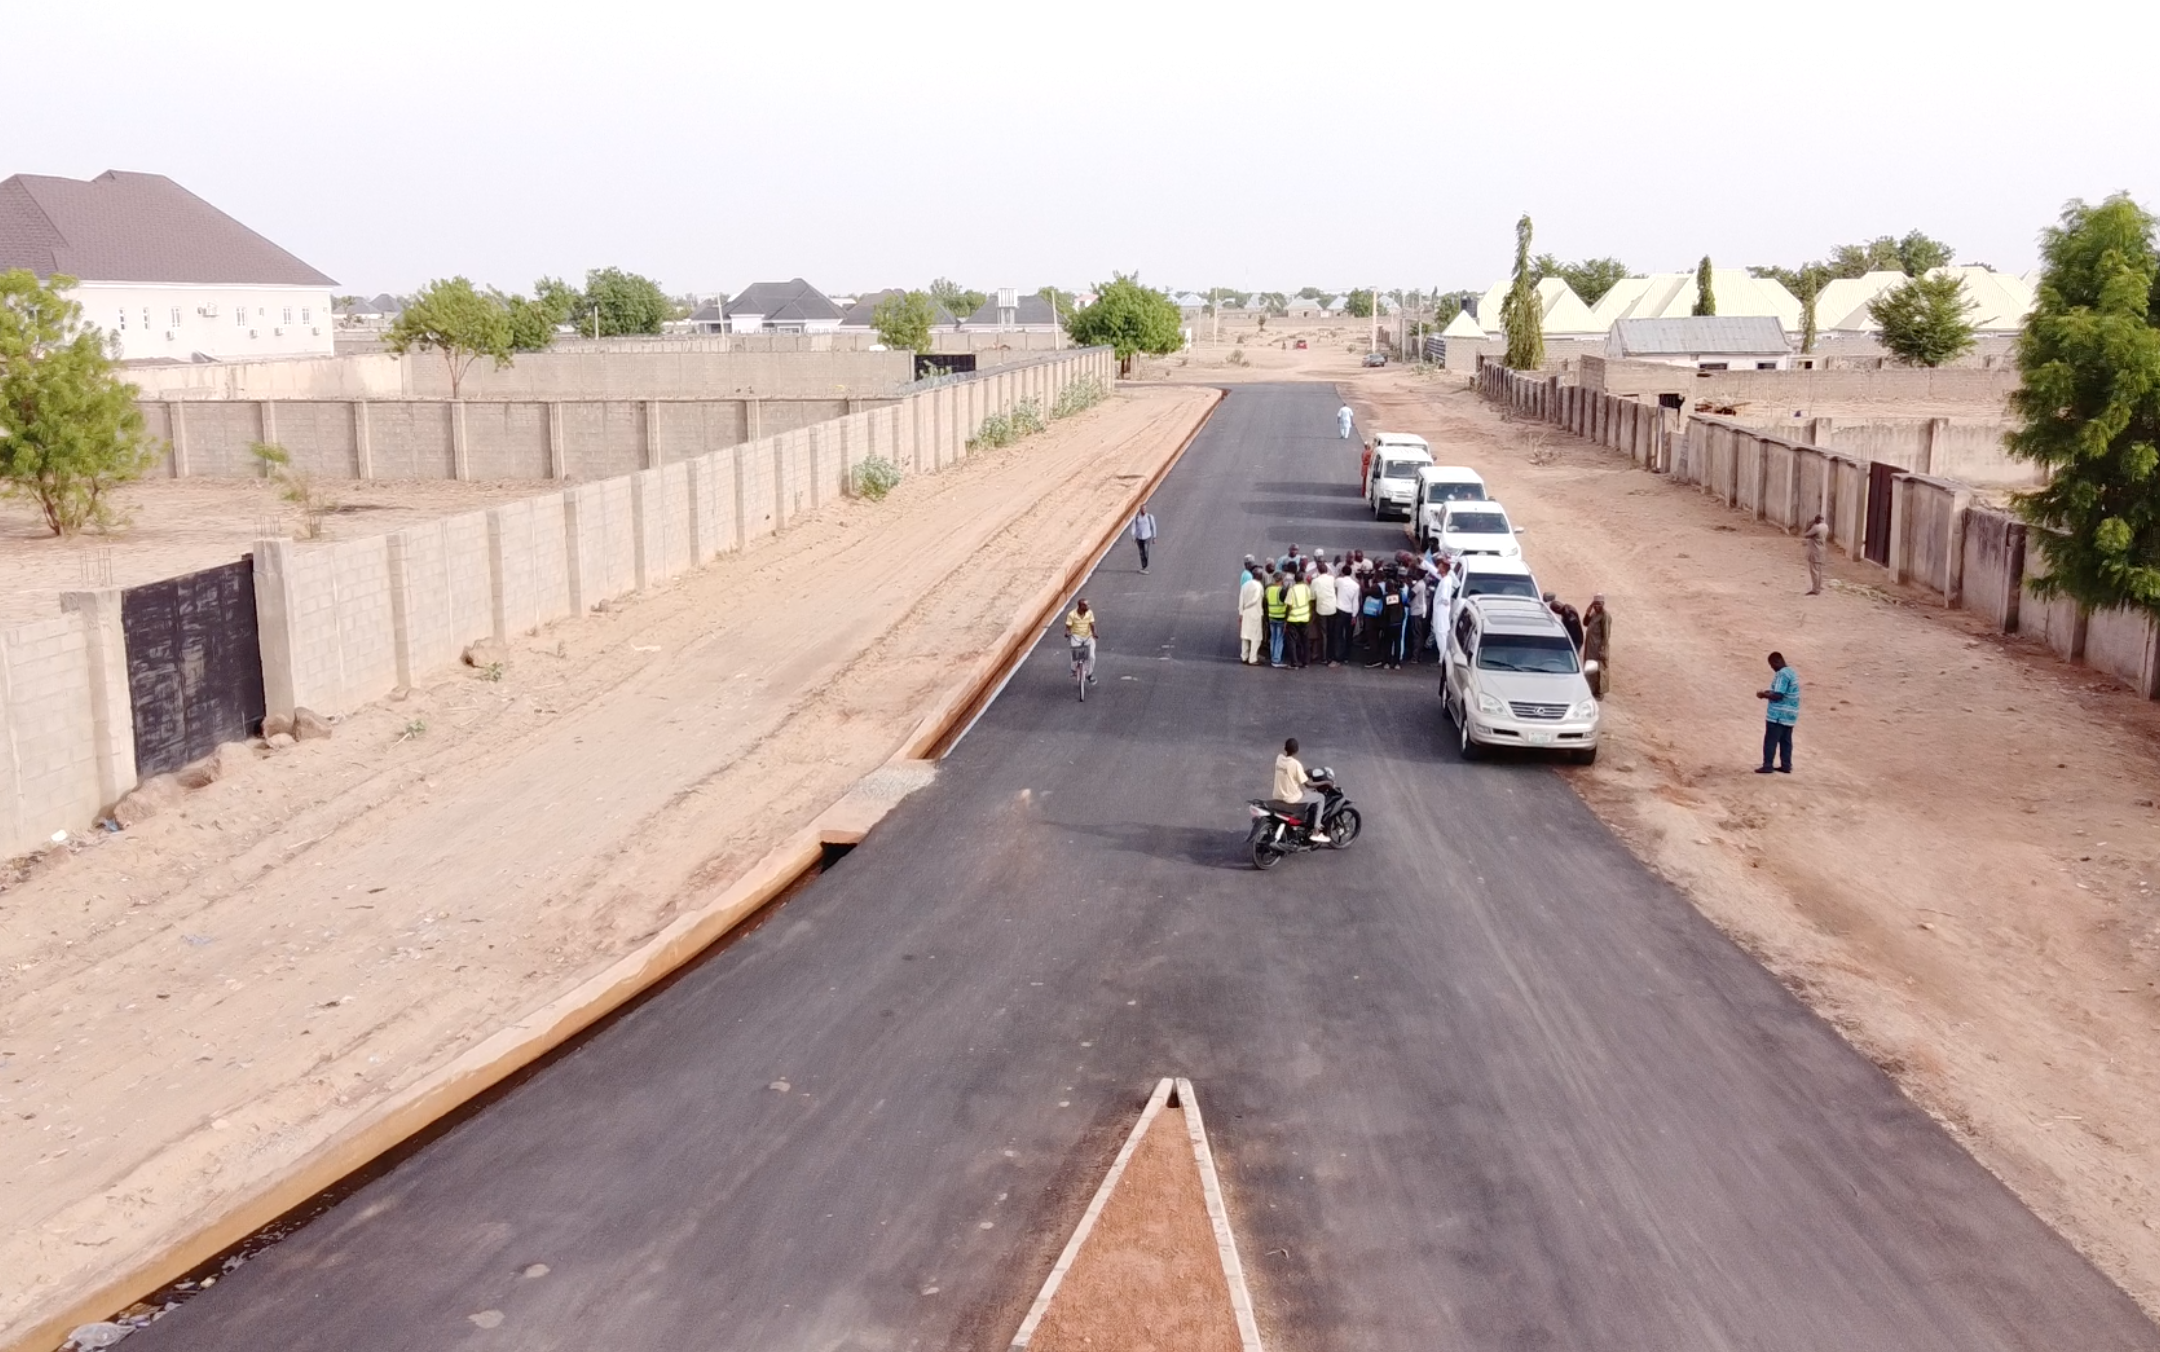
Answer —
856 318
1305 307
1025 314
1998 301
710 316
792 306
165 273
362 312
1703 342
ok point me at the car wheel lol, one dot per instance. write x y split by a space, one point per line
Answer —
1470 749
1585 757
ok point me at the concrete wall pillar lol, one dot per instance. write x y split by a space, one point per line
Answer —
460 460
739 468
274 623
363 441
1931 446
397 545
753 419
780 486
266 419
814 454
645 526
1954 559
652 434
112 712
573 512
176 419
558 454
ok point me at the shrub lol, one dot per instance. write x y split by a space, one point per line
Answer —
874 478
1027 418
1236 357
996 430
1078 397
296 486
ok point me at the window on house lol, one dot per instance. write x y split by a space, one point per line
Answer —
123 319
176 316
288 315
1766 366
239 316
1714 366
307 314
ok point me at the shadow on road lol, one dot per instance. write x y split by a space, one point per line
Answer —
1202 846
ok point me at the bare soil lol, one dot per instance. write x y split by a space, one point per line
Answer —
1960 873
171 526
1149 1278
188 1007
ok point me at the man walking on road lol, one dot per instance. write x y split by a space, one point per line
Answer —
1784 711
1813 540
1343 418
1143 533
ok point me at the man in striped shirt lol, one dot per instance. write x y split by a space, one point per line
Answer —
1784 711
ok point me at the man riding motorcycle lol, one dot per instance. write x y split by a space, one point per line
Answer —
1293 791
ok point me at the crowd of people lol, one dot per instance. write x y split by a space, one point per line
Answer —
1300 609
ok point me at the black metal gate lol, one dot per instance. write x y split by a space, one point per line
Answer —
194 664
1876 543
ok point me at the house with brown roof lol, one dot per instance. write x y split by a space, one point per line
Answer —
163 272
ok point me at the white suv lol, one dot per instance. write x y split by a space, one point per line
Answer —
1512 678
1469 529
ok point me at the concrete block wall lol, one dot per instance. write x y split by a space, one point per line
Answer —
1972 556
51 755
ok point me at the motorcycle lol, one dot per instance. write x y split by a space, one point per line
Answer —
1276 833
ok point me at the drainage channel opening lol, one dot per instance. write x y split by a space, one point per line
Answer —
832 852
203 1276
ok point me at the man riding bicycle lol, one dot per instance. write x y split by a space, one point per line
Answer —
1080 632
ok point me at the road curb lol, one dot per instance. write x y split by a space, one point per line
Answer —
540 1032
1219 1217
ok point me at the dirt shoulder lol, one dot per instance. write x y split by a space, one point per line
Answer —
1959 875
190 1006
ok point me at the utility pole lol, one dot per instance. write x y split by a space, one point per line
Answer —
1372 339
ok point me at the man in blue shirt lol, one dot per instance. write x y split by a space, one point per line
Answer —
1784 711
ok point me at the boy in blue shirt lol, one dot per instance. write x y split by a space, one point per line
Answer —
1784 711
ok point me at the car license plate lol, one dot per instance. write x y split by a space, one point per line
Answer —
1538 738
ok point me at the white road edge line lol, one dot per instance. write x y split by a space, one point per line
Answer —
1219 1216
1066 1259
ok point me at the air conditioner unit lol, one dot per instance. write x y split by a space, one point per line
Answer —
253 334
207 311
317 331
277 333
170 335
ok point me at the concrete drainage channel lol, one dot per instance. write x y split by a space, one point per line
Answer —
499 1063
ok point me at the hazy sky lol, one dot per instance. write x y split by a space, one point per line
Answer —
1256 144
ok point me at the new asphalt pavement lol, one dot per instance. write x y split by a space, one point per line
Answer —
1479 1082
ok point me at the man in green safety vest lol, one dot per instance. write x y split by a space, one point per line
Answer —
1275 611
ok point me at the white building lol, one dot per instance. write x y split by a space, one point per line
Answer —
1703 342
1010 312
162 271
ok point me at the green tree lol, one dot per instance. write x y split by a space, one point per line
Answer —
1522 317
453 318
621 302
1589 279
533 322
1705 297
1913 255
1358 304
69 429
1311 293
1128 318
2088 407
1065 301
958 301
1918 255
1924 321
903 320
1274 302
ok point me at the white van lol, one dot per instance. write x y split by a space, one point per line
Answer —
1511 677
1437 486
1472 529
1391 473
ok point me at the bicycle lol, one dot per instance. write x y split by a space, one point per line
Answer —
1083 664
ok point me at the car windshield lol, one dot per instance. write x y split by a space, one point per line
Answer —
1549 654
1498 584
1453 492
1477 523
1399 469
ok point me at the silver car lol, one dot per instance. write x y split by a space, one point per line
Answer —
1513 678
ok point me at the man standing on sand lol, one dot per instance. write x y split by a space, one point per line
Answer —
1813 541
1143 533
1343 418
1784 711
1252 616
1597 643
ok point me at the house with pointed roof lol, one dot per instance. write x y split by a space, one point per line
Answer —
856 318
1563 315
1027 314
166 275
793 306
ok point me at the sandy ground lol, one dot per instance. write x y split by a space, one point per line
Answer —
1960 873
189 1006
173 526
1149 1278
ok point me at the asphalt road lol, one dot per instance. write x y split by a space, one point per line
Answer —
1480 1082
